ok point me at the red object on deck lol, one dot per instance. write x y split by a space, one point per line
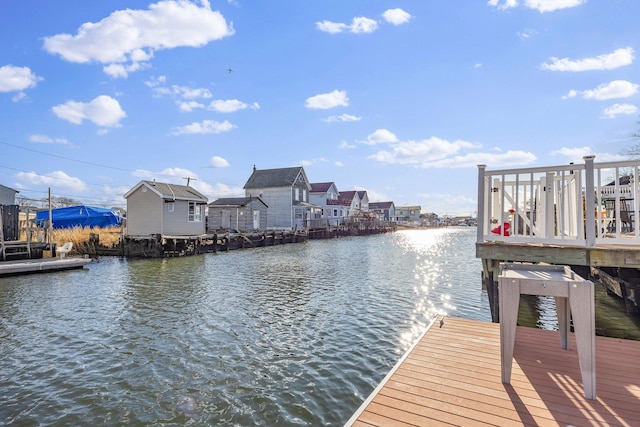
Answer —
498 229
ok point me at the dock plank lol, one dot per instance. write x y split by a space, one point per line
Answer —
451 376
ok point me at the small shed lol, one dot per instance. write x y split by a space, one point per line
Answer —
167 209
7 195
244 214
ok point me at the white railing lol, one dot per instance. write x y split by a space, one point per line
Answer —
553 205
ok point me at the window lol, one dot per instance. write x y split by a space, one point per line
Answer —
297 194
171 206
304 195
194 212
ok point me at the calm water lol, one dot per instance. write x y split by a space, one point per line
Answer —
287 335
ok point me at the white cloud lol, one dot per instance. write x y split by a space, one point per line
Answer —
528 33
17 78
439 153
539 5
342 118
325 101
609 61
44 139
420 152
204 127
358 25
177 91
611 90
128 38
345 145
218 162
57 179
102 110
380 136
507 159
617 109
576 155
231 105
396 16
189 106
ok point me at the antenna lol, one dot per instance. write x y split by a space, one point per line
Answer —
188 178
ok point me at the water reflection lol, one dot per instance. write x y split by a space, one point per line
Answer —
284 335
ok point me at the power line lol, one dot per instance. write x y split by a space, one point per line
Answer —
65 158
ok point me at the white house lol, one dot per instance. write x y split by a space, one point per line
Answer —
286 192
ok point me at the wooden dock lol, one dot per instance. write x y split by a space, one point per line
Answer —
42 265
451 376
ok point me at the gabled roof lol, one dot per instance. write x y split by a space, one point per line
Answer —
321 187
380 205
9 188
349 195
232 202
283 177
362 193
170 191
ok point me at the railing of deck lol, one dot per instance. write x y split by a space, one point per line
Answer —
576 204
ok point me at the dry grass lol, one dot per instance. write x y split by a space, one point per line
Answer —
108 236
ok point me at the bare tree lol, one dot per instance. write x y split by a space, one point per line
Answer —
634 150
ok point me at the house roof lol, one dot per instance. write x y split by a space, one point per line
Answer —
235 201
9 188
283 177
321 187
380 205
170 191
362 193
349 195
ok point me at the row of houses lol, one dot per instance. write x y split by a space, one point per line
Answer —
274 199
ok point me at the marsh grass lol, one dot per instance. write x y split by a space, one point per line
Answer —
108 236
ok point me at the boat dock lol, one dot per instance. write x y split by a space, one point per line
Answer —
452 376
41 265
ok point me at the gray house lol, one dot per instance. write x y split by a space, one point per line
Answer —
385 211
7 195
286 192
168 209
244 214
327 196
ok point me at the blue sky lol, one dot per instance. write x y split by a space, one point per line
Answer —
400 98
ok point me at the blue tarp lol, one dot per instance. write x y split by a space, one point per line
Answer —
80 216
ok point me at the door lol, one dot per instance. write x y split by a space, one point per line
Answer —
225 221
256 220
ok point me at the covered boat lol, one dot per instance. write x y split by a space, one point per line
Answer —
80 216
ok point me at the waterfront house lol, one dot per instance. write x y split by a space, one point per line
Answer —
167 209
245 214
325 195
7 195
384 211
408 214
351 200
286 192
364 200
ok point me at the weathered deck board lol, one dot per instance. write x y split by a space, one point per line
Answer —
452 377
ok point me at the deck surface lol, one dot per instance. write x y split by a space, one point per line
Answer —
42 265
452 377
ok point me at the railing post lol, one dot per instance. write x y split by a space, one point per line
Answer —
481 200
590 214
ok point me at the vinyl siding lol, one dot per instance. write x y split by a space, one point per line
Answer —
279 200
144 213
